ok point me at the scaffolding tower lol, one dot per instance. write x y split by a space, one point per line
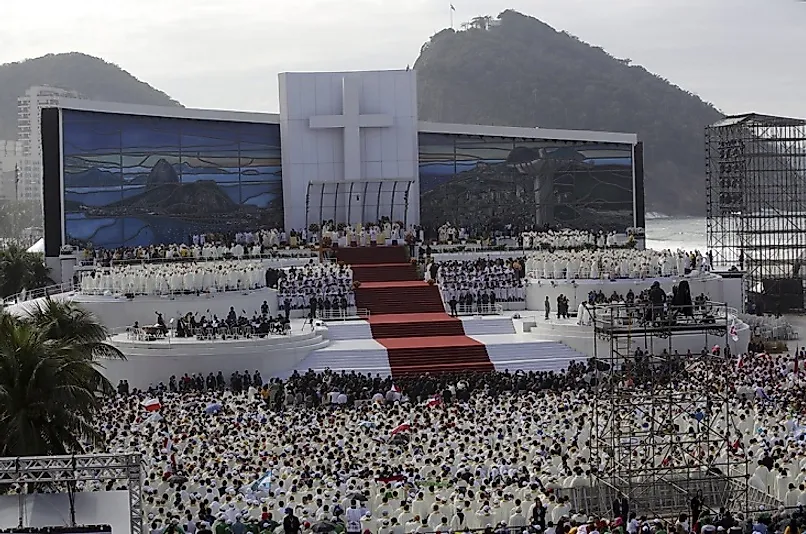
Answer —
30 473
755 171
658 440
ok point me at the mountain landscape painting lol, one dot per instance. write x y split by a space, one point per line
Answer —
138 180
485 183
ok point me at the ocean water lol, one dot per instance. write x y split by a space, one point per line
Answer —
687 233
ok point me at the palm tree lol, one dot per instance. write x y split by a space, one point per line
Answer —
20 269
50 380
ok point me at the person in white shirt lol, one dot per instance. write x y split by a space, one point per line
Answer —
517 519
353 517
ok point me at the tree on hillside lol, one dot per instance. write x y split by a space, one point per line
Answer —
90 76
20 270
525 73
50 380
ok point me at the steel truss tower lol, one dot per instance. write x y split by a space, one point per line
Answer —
755 172
659 435
63 472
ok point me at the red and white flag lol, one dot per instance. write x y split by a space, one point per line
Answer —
396 388
734 335
168 444
436 400
151 405
740 362
400 428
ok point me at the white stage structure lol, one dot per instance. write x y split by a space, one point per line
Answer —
66 471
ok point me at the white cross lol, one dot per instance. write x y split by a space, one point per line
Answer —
351 121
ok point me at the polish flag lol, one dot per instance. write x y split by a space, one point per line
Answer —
740 362
400 428
396 388
734 335
151 405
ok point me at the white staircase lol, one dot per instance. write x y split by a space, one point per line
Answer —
523 353
361 355
341 330
484 326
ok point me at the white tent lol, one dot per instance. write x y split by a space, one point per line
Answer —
38 247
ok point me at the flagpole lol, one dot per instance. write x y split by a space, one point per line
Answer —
450 10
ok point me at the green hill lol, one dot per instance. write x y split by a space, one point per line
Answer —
522 72
91 77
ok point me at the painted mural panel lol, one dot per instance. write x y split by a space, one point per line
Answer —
487 183
136 180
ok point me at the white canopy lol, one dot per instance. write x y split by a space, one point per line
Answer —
38 247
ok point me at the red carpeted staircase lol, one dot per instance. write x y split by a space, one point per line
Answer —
407 316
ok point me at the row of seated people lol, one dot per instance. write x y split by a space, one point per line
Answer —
654 304
234 325
328 284
217 245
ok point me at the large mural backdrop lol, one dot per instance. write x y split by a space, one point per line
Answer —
486 183
135 180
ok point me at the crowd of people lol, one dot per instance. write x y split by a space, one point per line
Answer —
210 246
209 326
425 454
175 278
611 264
564 239
318 287
476 285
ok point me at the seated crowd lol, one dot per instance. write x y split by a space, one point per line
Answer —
316 286
210 326
476 285
246 244
425 454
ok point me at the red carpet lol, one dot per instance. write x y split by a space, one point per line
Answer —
407 316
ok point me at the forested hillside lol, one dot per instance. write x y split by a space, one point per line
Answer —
523 72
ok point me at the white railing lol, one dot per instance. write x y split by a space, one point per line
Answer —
33 294
304 253
339 314
480 309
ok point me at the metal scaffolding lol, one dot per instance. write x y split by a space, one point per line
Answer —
657 439
65 471
755 170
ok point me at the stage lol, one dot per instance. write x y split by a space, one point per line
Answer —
150 362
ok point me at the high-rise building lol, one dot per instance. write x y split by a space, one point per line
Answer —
10 161
29 135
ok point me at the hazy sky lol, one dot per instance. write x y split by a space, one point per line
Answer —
741 55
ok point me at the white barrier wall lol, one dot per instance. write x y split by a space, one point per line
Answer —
577 290
149 363
117 312
581 338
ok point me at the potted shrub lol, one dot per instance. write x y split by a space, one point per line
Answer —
431 282
356 284
326 242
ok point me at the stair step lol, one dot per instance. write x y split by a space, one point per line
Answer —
371 255
450 327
